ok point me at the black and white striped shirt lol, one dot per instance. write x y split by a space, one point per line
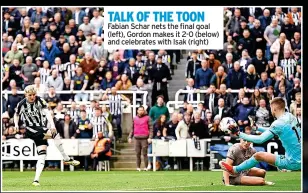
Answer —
70 69
44 73
74 115
31 113
99 124
115 104
288 67
90 112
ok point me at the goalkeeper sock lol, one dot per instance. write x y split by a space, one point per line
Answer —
246 165
59 146
40 164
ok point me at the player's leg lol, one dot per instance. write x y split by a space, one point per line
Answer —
67 160
40 164
252 181
257 172
250 163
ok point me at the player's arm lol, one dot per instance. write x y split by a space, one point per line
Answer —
258 139
47 113
17 113
226 175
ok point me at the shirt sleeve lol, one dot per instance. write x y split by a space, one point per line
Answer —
258 139
232 153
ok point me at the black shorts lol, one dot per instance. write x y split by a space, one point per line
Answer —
37 137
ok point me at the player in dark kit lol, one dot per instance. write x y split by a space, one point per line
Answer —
31 111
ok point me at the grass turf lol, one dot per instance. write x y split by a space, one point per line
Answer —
141 181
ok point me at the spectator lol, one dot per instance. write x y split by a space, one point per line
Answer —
41 88
15 73
74 112
285 96
55 81
52 98
287 28
213 63
269 95
215 131
97 21
256 97
79 34
132 71
9 133
230 42
86 27
84 131
78 15
295 16
263 116
89 66
296 87
59 113
38 33
101 150
245 60
13 54
236 77
271 33
251 77
211 98
87 45
265 19
44 72
12 101
65 54
8 25
257 33
6 44
108 81
80 83
192 96
226 95
228 64
259 62
115 105
34 46
264 82
270 69
220 77
247 43
50 52
182 129
193 64
279 47
221 110
142 131
203 76
30 71
159 109
296 45
233 25
71 67
100 124
106 113
288 65
242 112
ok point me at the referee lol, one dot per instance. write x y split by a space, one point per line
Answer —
115 106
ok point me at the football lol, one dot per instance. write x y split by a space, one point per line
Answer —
225 123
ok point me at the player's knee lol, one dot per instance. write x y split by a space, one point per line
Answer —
262 173
258 156
42 154
261 181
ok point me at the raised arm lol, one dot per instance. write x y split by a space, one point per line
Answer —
258 139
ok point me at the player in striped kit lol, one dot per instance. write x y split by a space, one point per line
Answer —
31 111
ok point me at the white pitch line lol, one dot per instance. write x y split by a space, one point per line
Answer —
166 187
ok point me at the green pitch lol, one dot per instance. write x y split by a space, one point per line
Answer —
141 181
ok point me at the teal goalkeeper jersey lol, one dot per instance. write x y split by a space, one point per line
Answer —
288 130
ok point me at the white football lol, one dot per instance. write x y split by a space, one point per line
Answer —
225 123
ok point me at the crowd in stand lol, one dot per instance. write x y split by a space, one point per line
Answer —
61 49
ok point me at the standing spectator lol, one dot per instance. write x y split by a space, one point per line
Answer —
228 64
220 77
265 19
256 97
213 63
192 96
203 76
67 87
80 83
97 21
12 101
161 75
86 27
257 33
247 43
88 66
233 25
83 130
295 16
13 54
182 129
192 66
41 88
279 47
245 60
15 73
34 46
297 45
242 112
131 71
65 54
236 76
78 15
227 96
271 33
50 52
288 65
287 28
215 130
44 72
37 15
9 25
211 98
296 103
55 81
71 67
115 105
100 124
67 128
87 44
169 130
159 109
269 95
221 110
30 71
74 112
259 62
6 44
280 15
108 81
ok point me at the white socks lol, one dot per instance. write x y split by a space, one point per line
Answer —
58 144
40 164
